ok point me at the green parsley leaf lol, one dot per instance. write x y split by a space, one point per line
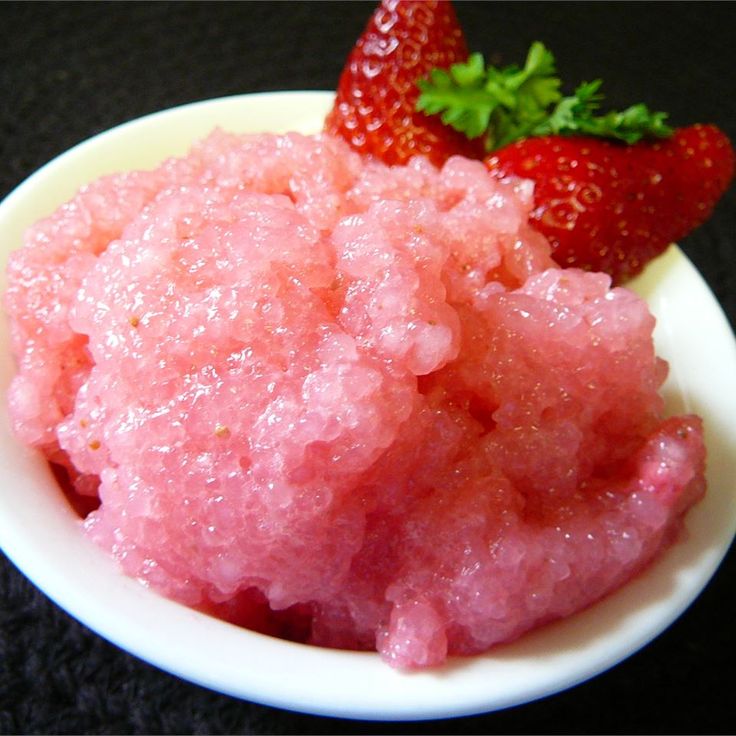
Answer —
510 103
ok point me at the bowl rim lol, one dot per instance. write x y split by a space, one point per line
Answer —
354 684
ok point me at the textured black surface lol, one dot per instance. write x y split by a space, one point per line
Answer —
68 71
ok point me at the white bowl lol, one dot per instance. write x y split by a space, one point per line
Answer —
41 534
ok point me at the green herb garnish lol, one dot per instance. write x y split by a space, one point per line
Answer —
506 104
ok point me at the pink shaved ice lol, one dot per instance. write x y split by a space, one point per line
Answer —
343 403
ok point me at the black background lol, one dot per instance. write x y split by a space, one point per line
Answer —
68 71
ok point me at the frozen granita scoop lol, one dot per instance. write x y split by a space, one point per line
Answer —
343 403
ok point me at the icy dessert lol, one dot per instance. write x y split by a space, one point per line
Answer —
350 404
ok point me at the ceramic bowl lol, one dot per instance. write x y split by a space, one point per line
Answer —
41 533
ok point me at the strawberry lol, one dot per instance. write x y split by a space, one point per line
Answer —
376 97
611 207
613 189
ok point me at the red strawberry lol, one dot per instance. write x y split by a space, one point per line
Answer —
377 93
606 206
